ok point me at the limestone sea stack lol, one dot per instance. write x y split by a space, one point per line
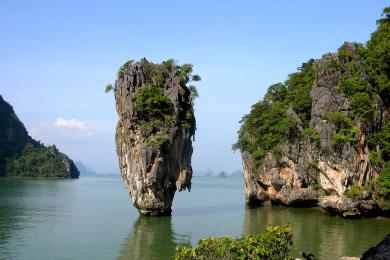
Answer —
154 134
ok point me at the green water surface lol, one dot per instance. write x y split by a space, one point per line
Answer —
92 218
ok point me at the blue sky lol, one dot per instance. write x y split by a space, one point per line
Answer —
57 56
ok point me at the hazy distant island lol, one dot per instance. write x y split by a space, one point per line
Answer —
222 174
84 169
22 156
87 171
323 136
155 131
211 173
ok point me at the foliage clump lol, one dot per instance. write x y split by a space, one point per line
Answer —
384 181
36 161
314 136
381 139
340 120
346 132
268 125
149 104
354 192
157 140
108 88
273 243
152 111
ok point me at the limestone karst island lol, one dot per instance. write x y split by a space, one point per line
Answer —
154 131
195 130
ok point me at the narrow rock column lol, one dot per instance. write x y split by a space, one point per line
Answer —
154 131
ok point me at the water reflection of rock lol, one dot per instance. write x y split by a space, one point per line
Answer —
152 238
306 227
326 237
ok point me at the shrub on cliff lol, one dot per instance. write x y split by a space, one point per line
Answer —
354 192
268 125
382 140
273 243
384 181
264 128
150 103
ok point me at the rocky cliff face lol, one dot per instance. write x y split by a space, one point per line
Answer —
332 149
154 131
306 173
22 156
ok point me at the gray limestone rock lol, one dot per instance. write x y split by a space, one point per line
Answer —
155 161
307 175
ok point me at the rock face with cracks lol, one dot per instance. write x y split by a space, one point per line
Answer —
308 171
154 132
323 136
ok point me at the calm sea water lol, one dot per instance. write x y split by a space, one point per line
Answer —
92 218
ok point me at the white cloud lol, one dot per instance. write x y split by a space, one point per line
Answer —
70 123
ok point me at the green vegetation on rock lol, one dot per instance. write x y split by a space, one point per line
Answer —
158 140
155 110
381 139
273 243
346 132
150 105
340 120
362 75
354 192
109 88
264 128
312 133
35 160
384 181
268 124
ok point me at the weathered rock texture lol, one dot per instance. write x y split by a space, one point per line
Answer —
154 162
22 156
309 174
